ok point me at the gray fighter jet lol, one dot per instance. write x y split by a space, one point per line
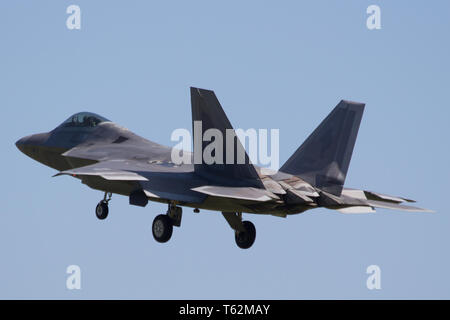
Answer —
112 159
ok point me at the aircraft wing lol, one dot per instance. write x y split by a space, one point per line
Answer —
161 181
108 170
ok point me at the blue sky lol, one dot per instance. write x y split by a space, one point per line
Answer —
273 64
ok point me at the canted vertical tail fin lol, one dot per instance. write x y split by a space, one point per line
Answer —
209 122
323 159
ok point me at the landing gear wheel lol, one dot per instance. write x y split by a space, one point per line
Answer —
245 239
101 211
162 228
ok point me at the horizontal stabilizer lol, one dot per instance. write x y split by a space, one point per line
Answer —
350 198
395 206
384 197
243 193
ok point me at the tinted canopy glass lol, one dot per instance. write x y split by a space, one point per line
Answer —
83 119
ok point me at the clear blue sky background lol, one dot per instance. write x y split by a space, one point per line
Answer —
273 64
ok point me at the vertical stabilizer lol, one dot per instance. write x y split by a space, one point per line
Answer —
208 116
323 159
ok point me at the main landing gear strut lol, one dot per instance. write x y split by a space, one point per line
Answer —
101 211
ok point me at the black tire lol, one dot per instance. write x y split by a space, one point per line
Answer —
162 228
101 211
245 240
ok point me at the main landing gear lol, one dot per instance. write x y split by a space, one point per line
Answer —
244 231
245 239
101 211
162 227
163 224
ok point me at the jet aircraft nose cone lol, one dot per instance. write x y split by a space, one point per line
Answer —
21 143
31 142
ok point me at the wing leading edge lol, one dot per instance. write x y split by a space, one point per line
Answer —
105 170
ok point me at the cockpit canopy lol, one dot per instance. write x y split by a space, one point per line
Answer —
83 120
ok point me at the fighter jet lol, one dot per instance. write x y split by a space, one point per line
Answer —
108 157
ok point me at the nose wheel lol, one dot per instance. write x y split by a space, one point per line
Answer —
102 210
